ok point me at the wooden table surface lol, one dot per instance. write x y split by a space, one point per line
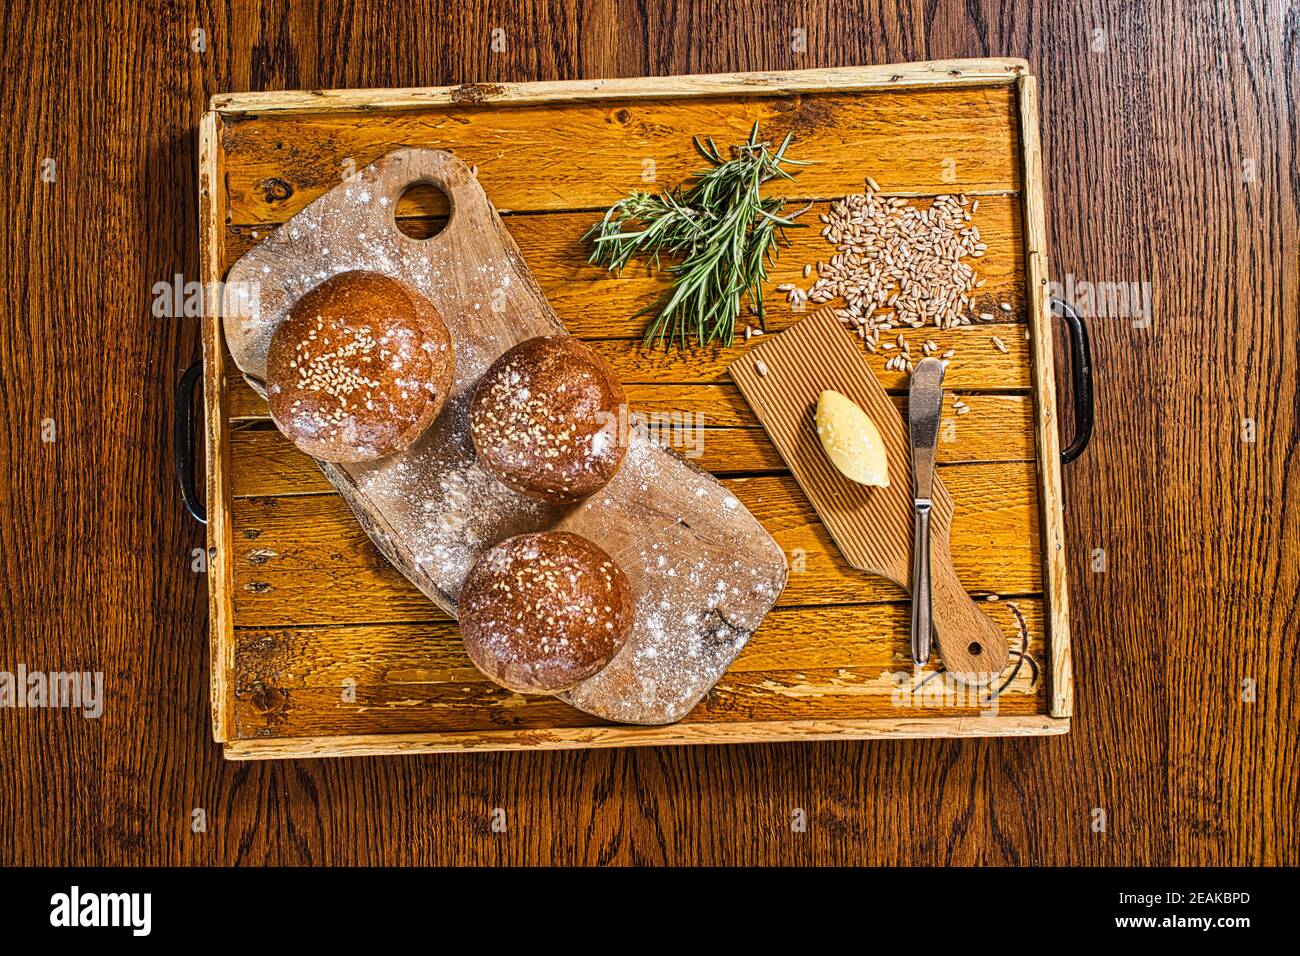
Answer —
1170 154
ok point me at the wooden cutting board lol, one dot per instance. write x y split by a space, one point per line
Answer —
781 378
703 570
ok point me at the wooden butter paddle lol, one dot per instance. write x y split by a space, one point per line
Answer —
782 379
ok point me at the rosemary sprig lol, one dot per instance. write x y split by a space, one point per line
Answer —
721 234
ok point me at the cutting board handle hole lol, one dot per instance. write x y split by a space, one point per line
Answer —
421 211
975 649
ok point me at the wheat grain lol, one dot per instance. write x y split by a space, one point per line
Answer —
898 265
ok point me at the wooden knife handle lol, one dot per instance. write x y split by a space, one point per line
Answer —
974 649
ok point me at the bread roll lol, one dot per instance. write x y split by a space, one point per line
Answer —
541 612
548 419
359 368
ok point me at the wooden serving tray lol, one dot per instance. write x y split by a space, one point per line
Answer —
319 647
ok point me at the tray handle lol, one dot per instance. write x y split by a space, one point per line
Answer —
184 445
1081 378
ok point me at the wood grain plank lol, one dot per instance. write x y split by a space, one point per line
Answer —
931 74
605 737
870 638
482 707
216 429
720 404
977 366
1046 433
998 427
264 463
595 303
289 551
281 162
838 663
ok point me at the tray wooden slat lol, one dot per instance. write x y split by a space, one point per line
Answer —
808 662
478 707
289 548
981 366
841 637
996 429
590 151
596 303
905 725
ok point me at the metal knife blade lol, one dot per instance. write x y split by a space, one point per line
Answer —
924 406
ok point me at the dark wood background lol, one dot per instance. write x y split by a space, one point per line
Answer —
1170 147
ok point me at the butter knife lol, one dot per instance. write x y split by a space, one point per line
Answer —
924 406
